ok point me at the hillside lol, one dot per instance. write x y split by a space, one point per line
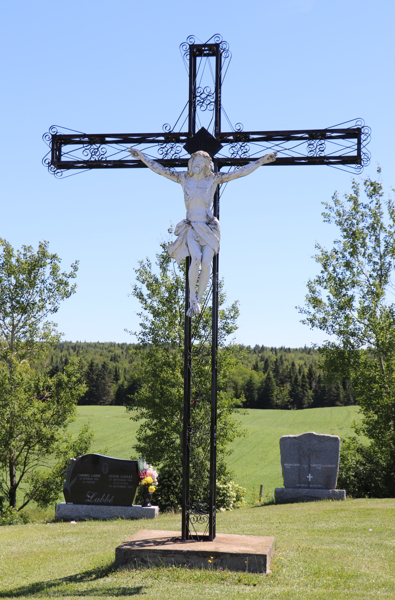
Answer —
265 377
256 456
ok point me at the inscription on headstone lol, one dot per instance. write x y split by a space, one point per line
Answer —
97 479
310 465
310 460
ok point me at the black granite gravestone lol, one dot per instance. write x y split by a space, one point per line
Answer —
98 479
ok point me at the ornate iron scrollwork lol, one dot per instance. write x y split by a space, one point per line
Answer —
205 98
198 518
47 137
46 161
316 146
223 45
184 46
239 148
94 150
366 133
215 39
171 148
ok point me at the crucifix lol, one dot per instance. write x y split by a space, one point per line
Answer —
206 154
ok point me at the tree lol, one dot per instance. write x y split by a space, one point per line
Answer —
356 310
31 289
158 403
267 392
35 408
251 390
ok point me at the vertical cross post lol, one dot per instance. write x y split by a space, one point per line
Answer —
196 50
214 339
187 408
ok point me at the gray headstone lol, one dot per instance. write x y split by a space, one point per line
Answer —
310 464
310 460
101 480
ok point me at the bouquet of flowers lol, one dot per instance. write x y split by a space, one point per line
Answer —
148 478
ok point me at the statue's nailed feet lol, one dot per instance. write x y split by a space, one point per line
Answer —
194 307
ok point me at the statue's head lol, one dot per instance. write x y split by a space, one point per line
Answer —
200 161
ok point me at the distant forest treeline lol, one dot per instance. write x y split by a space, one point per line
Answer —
265 377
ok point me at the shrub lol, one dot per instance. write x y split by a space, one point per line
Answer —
11 516
230 495
365 470
167 496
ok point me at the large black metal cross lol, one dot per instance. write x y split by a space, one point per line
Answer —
341 147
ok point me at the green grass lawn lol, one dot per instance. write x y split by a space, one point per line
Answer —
256 456
325 550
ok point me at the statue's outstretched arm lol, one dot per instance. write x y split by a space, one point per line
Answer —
155 166
247 169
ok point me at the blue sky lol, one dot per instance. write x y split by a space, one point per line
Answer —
97 66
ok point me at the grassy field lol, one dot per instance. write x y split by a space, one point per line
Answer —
325 550
256 456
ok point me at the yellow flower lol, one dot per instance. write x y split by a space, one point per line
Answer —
151 488
148 480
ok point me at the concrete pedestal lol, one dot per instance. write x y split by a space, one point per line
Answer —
234 552
82 512
284 495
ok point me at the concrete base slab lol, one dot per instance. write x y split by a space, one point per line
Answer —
234 552
83 512
284 495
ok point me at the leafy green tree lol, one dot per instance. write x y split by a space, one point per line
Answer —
350 300
158 403
35 408
31 289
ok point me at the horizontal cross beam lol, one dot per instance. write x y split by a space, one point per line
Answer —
221 162
333 146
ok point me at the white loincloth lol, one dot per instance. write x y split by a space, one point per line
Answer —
206 234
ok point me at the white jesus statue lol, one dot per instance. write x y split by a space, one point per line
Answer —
198 236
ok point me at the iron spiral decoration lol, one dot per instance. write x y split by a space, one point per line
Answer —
198 512
316 147
215 39
239 148
58 173
366 135
365 139
47 137
94 151
198 519
171 148
223 45
184 46
205 98
46 161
